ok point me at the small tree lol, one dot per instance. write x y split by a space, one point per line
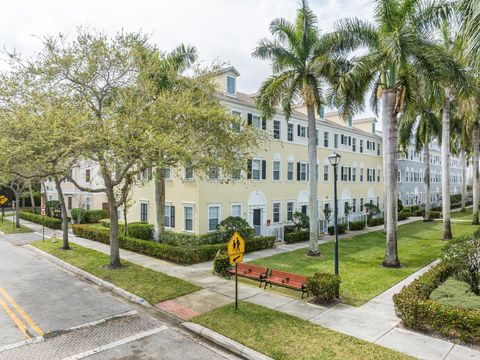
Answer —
327 213
301 220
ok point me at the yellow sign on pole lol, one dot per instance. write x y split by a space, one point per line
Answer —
236 248
3 200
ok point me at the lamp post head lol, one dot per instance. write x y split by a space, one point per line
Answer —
334 159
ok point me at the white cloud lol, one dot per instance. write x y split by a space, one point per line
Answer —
227 30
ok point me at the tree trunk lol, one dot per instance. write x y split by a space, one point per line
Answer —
125 223
160 200
384 144
44 192
464 184
475 156
391 151
63 208
17 208
426 180
312 160
114 244
447 229
32 198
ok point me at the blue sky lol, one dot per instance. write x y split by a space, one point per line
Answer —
222 30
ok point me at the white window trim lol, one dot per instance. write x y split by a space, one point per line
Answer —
279 212
208 215
168 203
234 85
279 170
260 169
236 204
185 205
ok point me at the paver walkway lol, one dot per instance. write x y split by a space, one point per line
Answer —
374 321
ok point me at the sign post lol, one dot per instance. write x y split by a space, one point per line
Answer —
3 201
13 214
236 249
42 212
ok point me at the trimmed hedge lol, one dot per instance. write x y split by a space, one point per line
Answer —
342 228
82 216
357 225
297 236
375 221
139 230
178 254
323 286
404 214
417 311
52 223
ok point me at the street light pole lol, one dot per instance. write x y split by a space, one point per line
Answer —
334 160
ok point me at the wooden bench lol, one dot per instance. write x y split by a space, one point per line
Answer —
288 280
250 271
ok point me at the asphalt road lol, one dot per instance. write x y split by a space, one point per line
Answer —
41 301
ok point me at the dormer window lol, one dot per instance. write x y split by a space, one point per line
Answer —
373 128
322 112
231 85
350 121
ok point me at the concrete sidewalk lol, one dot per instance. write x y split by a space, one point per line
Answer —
374 321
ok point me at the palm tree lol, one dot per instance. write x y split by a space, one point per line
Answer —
399 45
421 121
301 64
162 71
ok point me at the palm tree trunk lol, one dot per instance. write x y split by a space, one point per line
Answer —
312 160
160 200
63 208
391 151
426 180
447 229
475 156
384 145
464 184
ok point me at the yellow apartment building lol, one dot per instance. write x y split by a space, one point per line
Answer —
276 183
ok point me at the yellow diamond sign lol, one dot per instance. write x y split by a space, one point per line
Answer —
3 200
236 248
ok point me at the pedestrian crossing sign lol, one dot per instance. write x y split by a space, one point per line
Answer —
236 248
3 200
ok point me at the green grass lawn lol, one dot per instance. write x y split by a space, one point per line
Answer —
465 215
454 292
7 227
149 284
283 337
361 256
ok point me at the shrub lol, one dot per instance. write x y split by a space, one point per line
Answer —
418 212
404 214
221 264
139 230
179 254
52 208
375 221
289 229
323 286
435 214
104 222
417 311
399 205
297 236
301 220
178 239
229 225
357 225
414 208
342 228
50 222
82 216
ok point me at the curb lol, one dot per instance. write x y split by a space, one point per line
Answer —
225 342
102 283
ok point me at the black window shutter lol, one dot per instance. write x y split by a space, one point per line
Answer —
298 171
249 169
341 139
298 130
349 141
264 169
373 174
264 123
172 216
308 172
249 119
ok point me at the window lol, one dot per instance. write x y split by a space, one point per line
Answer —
406 176
322 112
325 139
213 172
354 205
361 174
276 170
87 204
257 121
361 204
350 121
230 85
290 211
290 132
144 212
69 203
276 129
236 210
188 218
87 175
301 131
354 144
373 128
354 174
361 145
325 172
236 125
335 141
378 175
256 169
399 176
276 212
237 174
169 216
316 137
167 173
290 171
378 149
213 217
302 171
188 171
